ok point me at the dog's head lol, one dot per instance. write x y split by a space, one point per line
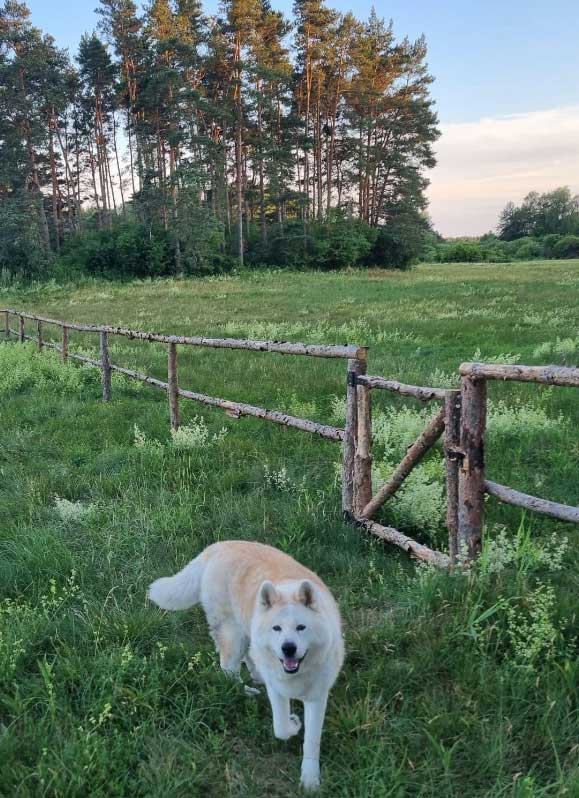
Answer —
289 624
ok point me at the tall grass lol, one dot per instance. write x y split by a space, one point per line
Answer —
454 685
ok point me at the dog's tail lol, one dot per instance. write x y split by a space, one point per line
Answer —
180 591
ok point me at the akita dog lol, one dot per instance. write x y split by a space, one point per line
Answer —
267 610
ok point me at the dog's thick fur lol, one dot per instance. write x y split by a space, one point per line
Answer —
267 610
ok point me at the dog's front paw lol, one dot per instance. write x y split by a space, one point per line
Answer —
310 780
290 730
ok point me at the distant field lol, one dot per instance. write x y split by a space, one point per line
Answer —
459 686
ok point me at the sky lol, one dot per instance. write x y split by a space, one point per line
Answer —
506 91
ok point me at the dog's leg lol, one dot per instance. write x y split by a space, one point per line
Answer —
285 725
254 673
232 646
314 712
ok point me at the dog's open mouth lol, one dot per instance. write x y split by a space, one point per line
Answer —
292 664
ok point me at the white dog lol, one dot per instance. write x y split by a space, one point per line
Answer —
267 610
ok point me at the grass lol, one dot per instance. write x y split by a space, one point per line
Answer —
453 686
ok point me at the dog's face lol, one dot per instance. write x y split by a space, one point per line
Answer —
289 626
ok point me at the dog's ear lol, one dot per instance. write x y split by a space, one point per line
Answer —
267 595
306 593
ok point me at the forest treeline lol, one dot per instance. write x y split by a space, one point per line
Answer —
542 226
174 142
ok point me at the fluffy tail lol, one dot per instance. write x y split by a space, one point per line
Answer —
180 591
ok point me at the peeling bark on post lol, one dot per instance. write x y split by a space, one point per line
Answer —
471 482
412 457
105 367
64 349
173 389
452 457
363 457
21 329
355 367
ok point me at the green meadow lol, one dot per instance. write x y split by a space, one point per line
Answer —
460 685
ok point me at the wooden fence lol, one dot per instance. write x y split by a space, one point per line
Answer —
461 418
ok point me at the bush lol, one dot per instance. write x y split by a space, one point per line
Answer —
400 242
461 252
549 243
527 249
336 243
497 253
127 249
567 247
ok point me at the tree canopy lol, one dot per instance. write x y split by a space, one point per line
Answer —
241 137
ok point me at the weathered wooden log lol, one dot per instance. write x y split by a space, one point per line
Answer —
242 409
563 512
173 386
105 367
391 535
363 457
64 348
282 347
39 335
412 457
418 392
452 457
82 359
547 375
135 375
7 325
355 367
21 329
472 470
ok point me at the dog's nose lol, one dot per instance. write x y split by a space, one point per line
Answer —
289 649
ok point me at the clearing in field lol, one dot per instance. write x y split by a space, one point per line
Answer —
454 685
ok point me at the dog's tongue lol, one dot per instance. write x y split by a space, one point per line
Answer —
290 664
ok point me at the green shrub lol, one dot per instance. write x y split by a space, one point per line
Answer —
527 249
567 247
549 243
461 252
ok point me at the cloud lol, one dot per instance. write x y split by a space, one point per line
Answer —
483 165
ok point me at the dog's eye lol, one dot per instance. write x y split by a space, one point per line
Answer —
277 628
300 628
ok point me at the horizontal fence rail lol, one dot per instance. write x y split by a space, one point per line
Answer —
234 409
547 375
563 512
418 392
461 421
281 347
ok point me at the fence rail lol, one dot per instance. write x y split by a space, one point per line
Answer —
461 420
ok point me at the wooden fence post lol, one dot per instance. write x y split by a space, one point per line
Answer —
363 458
64 343
173 388
7 326
355 367
39 335
471 487
21 329
452 404
105 367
